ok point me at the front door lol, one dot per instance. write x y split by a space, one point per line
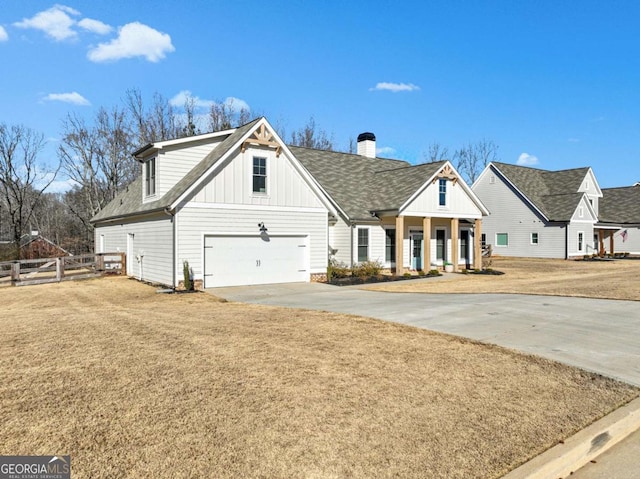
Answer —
441 246
416 251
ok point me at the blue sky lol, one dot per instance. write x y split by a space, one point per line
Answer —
554 84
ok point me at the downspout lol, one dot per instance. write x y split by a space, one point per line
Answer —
566 241
168 212
353 228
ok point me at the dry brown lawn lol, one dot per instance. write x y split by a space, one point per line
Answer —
136 384
619 279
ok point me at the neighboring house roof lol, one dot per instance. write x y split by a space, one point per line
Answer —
129 202
27 239
620 205
554 193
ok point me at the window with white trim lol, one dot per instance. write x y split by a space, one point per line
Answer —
363 244
150 177
259 175
442 192
534 238
580 241
502 239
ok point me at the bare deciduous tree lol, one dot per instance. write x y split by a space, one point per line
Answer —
471 159
436 152
23 178
310 136
223 115
154 124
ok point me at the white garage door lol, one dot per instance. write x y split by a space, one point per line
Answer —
233 260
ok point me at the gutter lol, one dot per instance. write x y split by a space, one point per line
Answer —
168 212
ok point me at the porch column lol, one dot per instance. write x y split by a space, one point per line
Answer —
455 257
399 244
611 242
477 244
601 242
426 241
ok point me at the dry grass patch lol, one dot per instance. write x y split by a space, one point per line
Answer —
136 384
619 279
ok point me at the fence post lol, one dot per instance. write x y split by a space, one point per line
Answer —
15 272
100 262
59 269
123 263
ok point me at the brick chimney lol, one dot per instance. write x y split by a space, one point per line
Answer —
367 144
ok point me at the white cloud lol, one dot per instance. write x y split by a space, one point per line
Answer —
56 22
3 35
134 40
525 159
232 103
73 97
95 26
385 150
395 87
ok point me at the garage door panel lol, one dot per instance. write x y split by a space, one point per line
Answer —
236 260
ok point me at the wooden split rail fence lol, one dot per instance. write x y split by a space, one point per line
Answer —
51 270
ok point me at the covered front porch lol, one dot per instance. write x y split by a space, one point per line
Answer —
425 243
604 238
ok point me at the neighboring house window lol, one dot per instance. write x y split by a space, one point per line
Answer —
442 190
591 201
259 175
580 241
534 238
363 244
390 245
502 239
150 177
483 240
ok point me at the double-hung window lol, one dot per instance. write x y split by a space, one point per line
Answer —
534 238
150 177
363 244
259 175
442 192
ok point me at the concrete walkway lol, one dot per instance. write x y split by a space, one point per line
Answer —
602 336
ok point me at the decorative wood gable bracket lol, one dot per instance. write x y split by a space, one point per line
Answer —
446 173
264 138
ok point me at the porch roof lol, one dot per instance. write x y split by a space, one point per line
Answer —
620 205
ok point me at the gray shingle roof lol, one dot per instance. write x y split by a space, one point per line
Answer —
620 205
129 202
554 193
359 184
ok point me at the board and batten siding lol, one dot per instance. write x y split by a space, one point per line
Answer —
459 204
195 221
234 183
174 162
152 241
508 213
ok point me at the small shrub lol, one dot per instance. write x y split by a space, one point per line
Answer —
422 272
434 272
407 275
337 270
186 271
366 269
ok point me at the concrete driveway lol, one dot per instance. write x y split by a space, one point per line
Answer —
594 334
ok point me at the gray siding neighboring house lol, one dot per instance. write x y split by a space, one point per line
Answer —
539 213
620 214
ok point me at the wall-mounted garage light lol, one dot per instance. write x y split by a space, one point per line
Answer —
263 228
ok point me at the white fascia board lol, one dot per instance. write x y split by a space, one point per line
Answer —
595 183
504 178
461 182
220 164
159 145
